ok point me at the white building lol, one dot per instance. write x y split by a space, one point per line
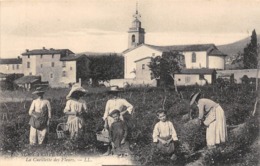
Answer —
11 66
138 54
58 67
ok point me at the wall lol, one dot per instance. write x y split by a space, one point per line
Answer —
70 69
201 59
136 54
11 68
192 79
216 62
46 70
32 69
238 74
143 72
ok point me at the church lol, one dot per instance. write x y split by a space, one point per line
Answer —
201 60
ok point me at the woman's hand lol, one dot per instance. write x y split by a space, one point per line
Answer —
113 145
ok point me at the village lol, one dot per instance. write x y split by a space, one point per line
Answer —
61 67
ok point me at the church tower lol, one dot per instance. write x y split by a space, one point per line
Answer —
136 32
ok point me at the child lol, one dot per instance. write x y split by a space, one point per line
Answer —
164 134
117 133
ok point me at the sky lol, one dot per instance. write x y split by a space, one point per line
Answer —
102 25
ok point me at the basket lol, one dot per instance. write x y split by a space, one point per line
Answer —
103 136
61 128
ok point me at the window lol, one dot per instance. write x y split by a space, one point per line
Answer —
63 64
143 66
28 56
52 64
30 73
51 75
187 79
52 56
41 65
201 77
64 74
70 68
13 67
17 66
28 64
193 58
41 56
133 39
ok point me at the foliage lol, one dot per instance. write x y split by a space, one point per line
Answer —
237 102
103 68
164 67
250 53
8 83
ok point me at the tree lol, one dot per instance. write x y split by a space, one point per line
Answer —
106 67
250 53
165 67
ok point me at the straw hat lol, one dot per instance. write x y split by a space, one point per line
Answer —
39 90
193 97
76 90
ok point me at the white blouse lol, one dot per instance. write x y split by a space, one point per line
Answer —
118 104
164 129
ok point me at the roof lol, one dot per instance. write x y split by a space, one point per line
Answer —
3 75
11 61
73 57
216 52
45 51
193 47
197 71
210 48
148 57
27 79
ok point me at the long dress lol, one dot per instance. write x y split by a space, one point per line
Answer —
75 121
39 106
215 120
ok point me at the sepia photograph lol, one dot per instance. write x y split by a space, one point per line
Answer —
129 82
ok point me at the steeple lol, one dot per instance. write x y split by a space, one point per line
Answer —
136 32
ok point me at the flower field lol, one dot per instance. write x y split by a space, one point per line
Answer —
237 101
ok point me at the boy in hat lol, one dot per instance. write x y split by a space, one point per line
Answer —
164 134
213 117
40 111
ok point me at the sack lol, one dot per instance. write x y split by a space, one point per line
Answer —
38 121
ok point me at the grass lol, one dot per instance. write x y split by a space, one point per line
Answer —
237 102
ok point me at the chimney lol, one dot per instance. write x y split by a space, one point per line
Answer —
43 48
27 50
18 57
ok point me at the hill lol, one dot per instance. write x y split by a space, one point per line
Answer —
234 48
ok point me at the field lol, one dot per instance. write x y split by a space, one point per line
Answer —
237 101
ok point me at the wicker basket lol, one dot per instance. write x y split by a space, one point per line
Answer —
103 136
61 128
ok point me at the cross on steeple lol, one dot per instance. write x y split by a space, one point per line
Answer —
136 15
